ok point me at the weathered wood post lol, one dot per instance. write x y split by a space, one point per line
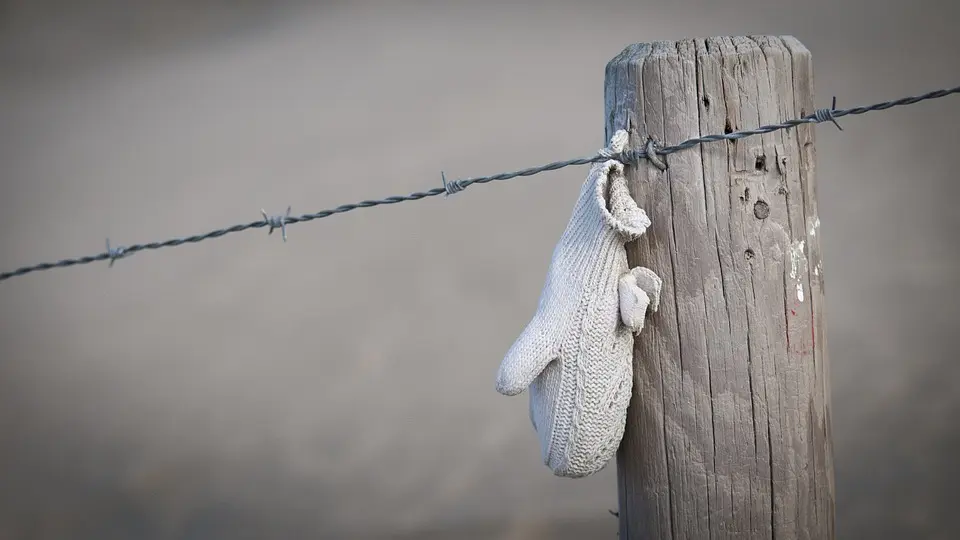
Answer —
728 433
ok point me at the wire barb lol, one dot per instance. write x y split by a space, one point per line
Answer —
114 253
650 151
626 157
277 222
450 188
825 115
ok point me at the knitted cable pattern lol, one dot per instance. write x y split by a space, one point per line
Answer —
576 354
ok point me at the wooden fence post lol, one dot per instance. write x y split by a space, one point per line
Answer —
728 432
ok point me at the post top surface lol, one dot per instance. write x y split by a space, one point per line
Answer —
709 46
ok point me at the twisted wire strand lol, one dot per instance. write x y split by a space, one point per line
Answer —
454 186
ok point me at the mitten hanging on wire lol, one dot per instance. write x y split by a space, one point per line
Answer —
576 355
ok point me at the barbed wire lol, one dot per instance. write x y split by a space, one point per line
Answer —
650 151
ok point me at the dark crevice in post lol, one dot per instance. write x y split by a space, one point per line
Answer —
676 304
768 355
713 418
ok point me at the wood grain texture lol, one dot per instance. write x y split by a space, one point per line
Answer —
728 434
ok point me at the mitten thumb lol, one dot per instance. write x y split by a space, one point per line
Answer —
528 356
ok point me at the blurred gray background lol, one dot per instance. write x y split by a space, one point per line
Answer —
341 385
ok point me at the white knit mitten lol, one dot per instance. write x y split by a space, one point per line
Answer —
576 355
